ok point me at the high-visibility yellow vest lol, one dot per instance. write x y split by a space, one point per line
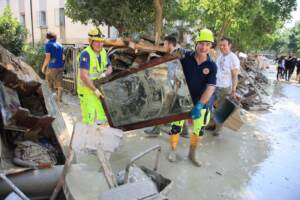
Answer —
95 70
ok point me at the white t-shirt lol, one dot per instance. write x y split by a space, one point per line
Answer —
225 64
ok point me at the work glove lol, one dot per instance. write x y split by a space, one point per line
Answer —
98 93
196 111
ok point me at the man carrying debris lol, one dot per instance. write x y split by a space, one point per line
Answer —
94 64
200 73
170 44
227 77
53 66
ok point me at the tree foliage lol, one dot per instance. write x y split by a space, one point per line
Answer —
126 15
251 24
287 41
12 33
294 39
34 56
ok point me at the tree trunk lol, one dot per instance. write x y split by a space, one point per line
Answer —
120 29
158 5
224 28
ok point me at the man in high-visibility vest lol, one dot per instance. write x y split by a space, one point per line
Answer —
200 73
94 64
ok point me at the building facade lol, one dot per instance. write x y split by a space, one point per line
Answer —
40 16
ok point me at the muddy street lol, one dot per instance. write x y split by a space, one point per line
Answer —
259 162
278 175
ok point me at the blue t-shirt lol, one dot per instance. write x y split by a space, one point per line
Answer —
198 76
85 60
56 52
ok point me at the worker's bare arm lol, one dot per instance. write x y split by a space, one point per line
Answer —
207 94
46 62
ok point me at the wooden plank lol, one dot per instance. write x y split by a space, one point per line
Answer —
234 121
147 47
154 122
107 169
115 43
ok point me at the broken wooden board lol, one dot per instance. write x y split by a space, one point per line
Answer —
228 114
107 169
14 115
91 173
234 121
147 47
115 43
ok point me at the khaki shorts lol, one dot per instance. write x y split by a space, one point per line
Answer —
54 77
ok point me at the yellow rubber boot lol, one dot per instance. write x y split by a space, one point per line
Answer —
194 140
174 139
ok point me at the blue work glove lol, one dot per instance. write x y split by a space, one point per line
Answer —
196 111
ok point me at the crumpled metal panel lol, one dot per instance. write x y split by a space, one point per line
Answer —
157 92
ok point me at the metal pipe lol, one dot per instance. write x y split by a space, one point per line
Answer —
14 187
32 31
137 157
34 182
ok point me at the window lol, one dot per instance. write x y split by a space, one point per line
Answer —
59 15
42 19
22 19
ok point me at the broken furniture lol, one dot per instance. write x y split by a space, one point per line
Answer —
140 182
91 175
16 117
28 113
152 93
228 114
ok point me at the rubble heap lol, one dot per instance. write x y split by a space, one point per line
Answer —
252 83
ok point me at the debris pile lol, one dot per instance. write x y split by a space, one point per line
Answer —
36 155
126 53
252 83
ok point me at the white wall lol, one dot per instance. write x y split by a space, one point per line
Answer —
74 32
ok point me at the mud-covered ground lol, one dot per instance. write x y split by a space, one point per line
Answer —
260 162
